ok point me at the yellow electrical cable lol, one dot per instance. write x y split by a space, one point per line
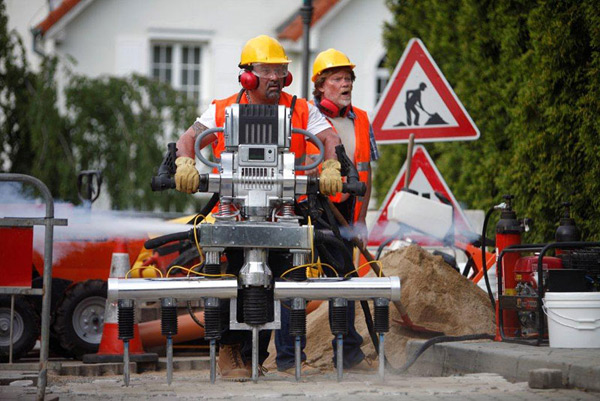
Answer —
291 270
309 265
181 267
190 270
368 263
144 267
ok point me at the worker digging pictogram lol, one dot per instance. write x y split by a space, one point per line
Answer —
412 105
419 100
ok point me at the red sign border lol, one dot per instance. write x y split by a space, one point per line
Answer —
416 51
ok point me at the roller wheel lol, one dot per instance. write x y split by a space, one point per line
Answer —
26 327
79 317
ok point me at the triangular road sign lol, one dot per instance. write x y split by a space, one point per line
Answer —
426 179
419 100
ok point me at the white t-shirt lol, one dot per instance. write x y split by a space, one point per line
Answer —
316 122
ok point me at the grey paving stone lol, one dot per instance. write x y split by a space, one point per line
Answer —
545 378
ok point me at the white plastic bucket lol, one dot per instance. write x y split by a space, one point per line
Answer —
573 319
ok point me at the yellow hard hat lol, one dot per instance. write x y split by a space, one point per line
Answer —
330 58
263 49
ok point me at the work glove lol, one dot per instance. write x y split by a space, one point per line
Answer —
330 181
187 178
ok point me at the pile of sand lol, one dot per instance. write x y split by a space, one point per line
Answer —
435 296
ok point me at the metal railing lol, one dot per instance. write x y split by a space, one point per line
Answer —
49 222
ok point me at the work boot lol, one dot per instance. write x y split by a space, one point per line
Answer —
261 369
230 365
305 370
366 365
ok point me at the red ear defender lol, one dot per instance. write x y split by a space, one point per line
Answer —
248 80
288 79
329 108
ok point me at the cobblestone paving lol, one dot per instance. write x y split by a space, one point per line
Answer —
194 385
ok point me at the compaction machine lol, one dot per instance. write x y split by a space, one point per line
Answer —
256 184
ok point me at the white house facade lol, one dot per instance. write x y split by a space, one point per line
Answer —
195 44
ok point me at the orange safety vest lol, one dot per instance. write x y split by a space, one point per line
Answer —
299 120
362 154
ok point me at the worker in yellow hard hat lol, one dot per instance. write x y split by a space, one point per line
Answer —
333 77
263 75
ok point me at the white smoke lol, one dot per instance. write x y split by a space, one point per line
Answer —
84 224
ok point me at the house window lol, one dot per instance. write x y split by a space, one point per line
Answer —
382 75
179 65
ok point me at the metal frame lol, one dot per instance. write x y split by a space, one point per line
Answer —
49 222
543 249
514 249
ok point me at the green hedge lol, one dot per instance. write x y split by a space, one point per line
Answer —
528 72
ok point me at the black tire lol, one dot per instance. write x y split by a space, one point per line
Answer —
79 317
26 327
59 286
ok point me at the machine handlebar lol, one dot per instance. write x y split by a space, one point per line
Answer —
354 188
198 149
314 139
353 185
162 183
164 179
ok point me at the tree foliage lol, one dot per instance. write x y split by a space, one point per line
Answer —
118 125
16 88
528 72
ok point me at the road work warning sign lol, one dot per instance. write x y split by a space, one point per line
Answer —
426 179
419 100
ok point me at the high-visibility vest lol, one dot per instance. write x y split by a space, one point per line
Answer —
299 120
362 154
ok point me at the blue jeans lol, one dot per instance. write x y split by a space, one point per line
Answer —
284 342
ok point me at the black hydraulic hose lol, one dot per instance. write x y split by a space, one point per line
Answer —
437 340
370 326
206 209
210 205
483 261
326 238
192 315
386 243
165 239
326 255
324 203
321 236
183 259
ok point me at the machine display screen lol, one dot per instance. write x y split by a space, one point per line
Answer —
256 154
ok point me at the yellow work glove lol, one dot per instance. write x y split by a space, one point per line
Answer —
330 181
187 178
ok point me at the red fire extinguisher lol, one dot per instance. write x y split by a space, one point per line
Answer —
508 232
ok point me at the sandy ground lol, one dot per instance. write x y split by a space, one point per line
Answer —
435 295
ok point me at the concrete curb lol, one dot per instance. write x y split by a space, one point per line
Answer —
78 368
580 368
